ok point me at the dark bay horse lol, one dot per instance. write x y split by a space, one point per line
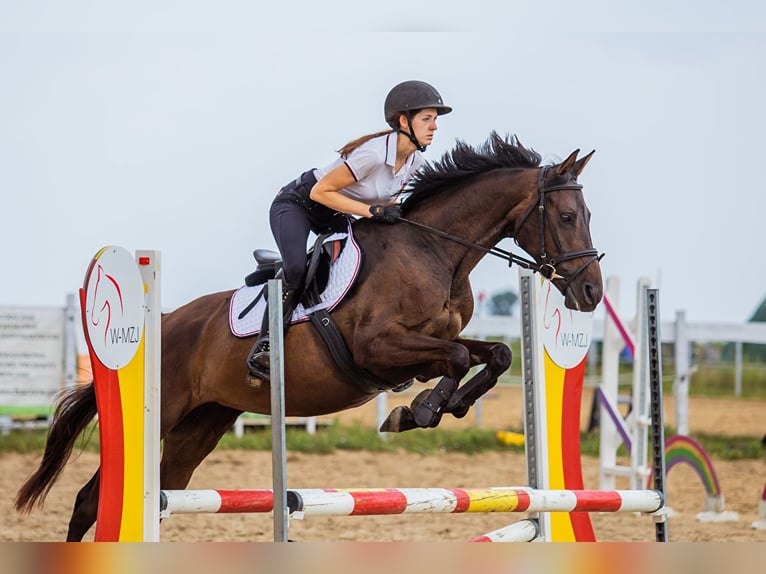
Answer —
401 320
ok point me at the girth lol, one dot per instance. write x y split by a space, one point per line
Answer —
328 329
269 267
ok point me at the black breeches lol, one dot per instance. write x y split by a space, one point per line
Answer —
291 226
293 215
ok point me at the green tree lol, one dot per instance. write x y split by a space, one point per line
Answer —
760 314
502 303
750 351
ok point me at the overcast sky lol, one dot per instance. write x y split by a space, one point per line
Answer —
171 125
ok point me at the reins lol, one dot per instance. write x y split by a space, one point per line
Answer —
496 251
547 266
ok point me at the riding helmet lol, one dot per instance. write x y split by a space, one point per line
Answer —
411 96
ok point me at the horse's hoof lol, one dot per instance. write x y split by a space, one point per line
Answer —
399 420
460 413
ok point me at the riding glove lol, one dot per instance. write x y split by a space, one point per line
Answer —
386 213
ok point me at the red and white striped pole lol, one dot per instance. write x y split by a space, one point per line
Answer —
521 531
373 502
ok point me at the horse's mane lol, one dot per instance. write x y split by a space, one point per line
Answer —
465 161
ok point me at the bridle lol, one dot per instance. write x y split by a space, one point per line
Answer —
545 265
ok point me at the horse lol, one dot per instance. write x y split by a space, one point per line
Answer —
401 320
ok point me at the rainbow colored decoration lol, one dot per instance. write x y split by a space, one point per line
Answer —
684 449
626 337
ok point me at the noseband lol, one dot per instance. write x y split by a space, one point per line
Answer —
546 266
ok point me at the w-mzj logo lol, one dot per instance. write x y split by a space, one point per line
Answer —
566 333
114 307
108 302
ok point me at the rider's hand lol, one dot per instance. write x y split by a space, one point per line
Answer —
386 213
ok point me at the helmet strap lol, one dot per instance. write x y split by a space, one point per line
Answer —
411 133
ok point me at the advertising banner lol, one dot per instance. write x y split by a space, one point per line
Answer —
31 356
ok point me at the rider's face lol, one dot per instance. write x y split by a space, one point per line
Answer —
424 125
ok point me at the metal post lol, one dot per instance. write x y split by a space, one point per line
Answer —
535 433
654 360
278 448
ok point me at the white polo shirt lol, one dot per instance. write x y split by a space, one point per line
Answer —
372 165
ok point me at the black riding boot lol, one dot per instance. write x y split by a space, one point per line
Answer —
259 359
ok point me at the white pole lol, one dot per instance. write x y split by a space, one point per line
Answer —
610 371
149 267
381 412
70 342
641 418
477 408
738 369
683 373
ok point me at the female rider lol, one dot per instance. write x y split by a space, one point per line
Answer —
362 182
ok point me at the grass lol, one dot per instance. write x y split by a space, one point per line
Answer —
428 442
357 437
709 380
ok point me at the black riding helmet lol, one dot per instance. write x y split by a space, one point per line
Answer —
407 98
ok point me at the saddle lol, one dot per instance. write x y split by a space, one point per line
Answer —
269 263
269 266
314 303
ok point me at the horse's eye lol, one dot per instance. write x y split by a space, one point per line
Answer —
567 217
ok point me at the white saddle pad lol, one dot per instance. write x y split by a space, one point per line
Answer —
342 275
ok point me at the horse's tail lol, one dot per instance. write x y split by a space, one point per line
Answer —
74 411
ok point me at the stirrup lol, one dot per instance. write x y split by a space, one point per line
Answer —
259 361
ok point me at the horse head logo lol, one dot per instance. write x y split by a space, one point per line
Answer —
114 307
566 333
107 299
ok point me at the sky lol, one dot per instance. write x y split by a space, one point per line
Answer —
171 125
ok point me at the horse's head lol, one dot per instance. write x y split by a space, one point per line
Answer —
555 229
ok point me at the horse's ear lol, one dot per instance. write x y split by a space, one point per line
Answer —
581 163
567 165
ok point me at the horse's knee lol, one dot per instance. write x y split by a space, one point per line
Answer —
459 361
501 357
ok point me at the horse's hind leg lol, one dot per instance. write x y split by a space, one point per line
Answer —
497 357
184 449
85 510
191 440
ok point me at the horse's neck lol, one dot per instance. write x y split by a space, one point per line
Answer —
479 213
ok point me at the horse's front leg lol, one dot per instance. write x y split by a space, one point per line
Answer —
448 358
497 359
